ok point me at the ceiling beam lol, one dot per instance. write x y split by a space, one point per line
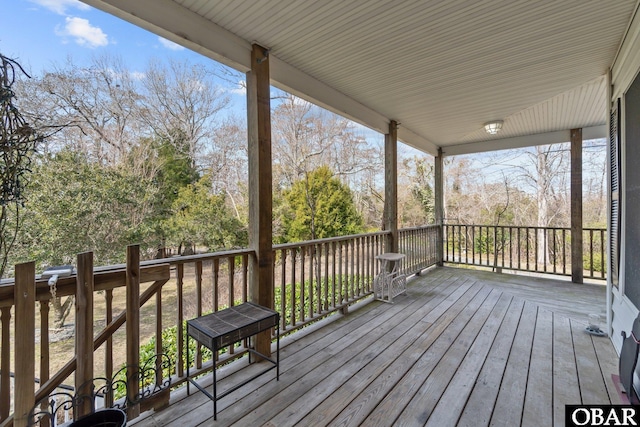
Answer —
557 137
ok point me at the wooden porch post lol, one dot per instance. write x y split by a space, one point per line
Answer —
439 205
577 271
391 186
5 364
260 187
133 330
25 326
84 333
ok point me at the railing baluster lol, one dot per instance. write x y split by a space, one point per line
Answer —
108 348
602 245
488 246
303 261
245 279
322 296
198 277
283 290
545 249
333 274
159 348
502 245
553 248
510 247
473 243
326 275
564 251
44 350
590 253
311 282
445 233
351 274
180 320
231 269
215 280
340 275
358 263
483 242
293 286
460 243
528 255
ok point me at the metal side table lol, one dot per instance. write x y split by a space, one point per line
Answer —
225 327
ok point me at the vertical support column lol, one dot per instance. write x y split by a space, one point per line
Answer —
5 364
84 333
260 187
391 186
577 271
439 206
133 330
25 300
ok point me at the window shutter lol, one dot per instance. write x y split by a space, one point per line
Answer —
614 171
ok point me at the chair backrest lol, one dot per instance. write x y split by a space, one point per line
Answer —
629 360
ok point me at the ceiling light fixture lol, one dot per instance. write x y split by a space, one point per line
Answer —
493 127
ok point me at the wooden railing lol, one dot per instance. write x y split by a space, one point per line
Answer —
534 249
420 245
312 280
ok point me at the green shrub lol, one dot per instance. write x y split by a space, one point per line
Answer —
597 262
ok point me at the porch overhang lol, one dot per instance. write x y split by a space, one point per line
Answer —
440 70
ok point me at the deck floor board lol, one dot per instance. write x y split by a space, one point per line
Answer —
462 348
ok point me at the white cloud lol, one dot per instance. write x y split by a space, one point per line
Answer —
60 6
169 44
83 32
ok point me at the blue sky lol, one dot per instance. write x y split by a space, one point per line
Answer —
39 33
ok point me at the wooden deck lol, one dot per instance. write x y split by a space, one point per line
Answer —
462 348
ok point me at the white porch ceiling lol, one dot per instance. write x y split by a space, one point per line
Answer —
440 68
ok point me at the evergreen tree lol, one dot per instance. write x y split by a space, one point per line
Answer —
320 206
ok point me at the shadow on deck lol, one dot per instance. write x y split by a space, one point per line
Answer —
463 347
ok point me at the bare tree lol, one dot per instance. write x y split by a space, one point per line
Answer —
90 109
226 161
306 137
182 98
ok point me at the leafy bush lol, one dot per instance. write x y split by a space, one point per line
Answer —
597 262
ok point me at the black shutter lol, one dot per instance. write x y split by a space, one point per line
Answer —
614 171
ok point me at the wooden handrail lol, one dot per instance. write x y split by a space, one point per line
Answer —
103 280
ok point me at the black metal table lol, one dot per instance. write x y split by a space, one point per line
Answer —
225 327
